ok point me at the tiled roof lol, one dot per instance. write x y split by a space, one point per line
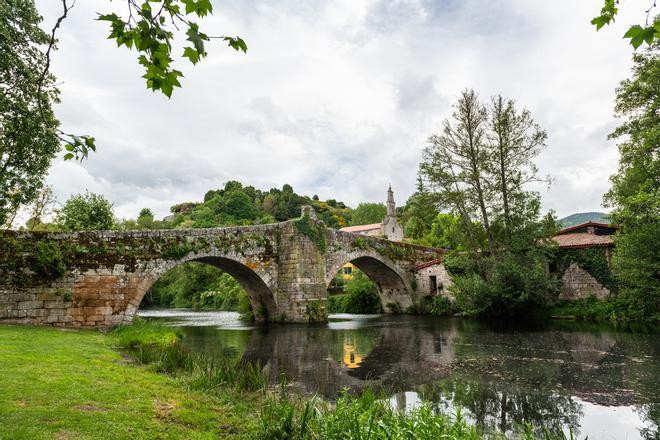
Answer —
583 240
582 225
361 228
428 264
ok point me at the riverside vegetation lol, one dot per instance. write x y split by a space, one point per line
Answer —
173 393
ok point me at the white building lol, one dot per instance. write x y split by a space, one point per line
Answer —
389 228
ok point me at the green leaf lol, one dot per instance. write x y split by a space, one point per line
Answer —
69 147
237 43
68 156
191 54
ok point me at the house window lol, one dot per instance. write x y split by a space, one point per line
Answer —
348 270
392 228
434 284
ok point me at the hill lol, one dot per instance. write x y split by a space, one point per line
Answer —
581 217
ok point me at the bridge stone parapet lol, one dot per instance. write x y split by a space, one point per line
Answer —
98 278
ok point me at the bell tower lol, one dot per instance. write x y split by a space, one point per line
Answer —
391 208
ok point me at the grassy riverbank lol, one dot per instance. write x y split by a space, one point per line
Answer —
75 384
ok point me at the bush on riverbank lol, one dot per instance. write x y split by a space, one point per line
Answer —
361 296
594 309
160 347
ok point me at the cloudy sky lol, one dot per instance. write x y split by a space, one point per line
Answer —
337 98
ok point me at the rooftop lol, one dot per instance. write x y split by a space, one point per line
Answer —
361 228
583 239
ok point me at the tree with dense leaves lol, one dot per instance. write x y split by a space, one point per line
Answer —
368 213
635 193
85 212
28 141
477 168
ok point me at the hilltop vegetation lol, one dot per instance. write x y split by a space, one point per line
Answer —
581 217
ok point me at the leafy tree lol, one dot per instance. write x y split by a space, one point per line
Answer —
238 205
28 142
419 212
87 211
477 168
145 219
42 207
635 192
637 33
368 213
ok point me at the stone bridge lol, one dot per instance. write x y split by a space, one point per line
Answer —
98 278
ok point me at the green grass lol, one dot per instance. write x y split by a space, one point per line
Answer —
73 384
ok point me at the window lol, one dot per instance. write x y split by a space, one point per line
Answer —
348 270
392 228
434 284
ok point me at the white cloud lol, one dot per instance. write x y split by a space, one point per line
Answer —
337 98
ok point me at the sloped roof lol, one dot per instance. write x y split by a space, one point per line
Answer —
585 224
428 264
361 228
582 239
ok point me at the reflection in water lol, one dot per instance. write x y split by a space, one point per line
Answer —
589 379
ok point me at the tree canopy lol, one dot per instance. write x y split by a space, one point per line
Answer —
28 141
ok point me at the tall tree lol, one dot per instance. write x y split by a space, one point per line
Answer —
635 192
28 141
478 167
455 162
515 140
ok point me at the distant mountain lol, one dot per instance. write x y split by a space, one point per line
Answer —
581 217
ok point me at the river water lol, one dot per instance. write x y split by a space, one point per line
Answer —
593 380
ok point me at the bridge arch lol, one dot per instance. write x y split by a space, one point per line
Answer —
257 282
393 289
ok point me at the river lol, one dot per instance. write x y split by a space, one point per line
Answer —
593 380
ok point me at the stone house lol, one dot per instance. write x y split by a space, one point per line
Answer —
432 279
389 228
577 283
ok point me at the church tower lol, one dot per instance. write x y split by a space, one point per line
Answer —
391 208
390 228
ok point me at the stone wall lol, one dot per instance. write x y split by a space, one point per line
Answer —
443 280
98 279
577 283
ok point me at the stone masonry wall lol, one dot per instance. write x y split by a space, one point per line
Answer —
577 283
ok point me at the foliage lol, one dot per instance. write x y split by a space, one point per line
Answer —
28 141
588 309
49 261
593 260
150 28
314 230
368 213
419 212
517 285
360 297
87 211
236 204
635 192
198 286
435 305
369 416
637 33
160 346
477 168
315 311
